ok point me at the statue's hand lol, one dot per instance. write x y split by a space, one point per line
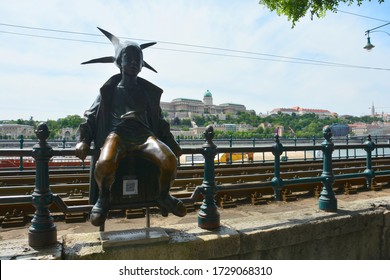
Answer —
82 150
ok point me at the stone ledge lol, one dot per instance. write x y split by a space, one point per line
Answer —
185 242
359 230
315 234
18 249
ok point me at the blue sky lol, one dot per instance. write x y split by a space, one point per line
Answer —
271 65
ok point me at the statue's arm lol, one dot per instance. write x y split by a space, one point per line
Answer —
86 131
165 135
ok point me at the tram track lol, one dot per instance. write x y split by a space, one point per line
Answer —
240 182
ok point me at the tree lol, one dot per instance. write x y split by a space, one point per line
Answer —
72 121
296 9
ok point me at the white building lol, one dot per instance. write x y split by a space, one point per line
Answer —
185 108
13 131
301 111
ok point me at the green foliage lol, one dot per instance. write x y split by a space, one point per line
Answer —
307 125
296 9
294 125
71 121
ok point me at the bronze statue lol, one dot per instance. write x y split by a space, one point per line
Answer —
126 118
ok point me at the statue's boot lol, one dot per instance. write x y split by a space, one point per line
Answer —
164 212
100 209
172 204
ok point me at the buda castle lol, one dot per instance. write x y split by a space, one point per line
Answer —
187 108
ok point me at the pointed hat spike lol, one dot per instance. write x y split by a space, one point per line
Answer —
114 40
146 45
145 64
118 47
107 59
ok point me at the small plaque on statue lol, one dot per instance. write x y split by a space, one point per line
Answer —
130 186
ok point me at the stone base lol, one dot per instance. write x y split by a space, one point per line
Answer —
42 238
133 237
358 230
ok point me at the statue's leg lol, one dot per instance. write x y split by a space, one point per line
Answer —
161 155
106 166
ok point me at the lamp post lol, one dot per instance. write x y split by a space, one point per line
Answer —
370 46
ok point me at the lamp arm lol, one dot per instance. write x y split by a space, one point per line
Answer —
369 30
381 31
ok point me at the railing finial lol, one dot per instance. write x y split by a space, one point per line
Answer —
209 134
42 132
327 132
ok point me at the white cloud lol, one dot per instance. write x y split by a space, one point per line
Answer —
43 77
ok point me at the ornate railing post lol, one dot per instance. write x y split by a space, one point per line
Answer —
42 231
21 141
327 200
376 142
277 182
208 215
314 151
369 172
230 154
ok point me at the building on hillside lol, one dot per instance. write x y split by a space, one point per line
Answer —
301 111
384 116
288 111
67 133
374 129
186 108
339 130
359 129
13 131
233 127
231 108
181 107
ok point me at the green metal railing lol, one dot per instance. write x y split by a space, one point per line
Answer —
351 148
43 231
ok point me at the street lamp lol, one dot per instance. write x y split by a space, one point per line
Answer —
370 46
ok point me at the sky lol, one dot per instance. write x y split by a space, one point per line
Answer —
238 50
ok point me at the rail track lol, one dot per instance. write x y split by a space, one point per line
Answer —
239 183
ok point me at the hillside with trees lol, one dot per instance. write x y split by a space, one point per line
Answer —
55 126
307 125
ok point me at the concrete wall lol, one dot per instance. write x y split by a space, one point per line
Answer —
359 231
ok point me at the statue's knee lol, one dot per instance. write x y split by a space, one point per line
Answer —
169 163
105 170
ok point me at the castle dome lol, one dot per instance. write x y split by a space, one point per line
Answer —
207 94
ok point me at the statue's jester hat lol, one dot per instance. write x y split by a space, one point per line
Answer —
119 47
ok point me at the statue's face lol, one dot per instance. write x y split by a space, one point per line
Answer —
131 61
